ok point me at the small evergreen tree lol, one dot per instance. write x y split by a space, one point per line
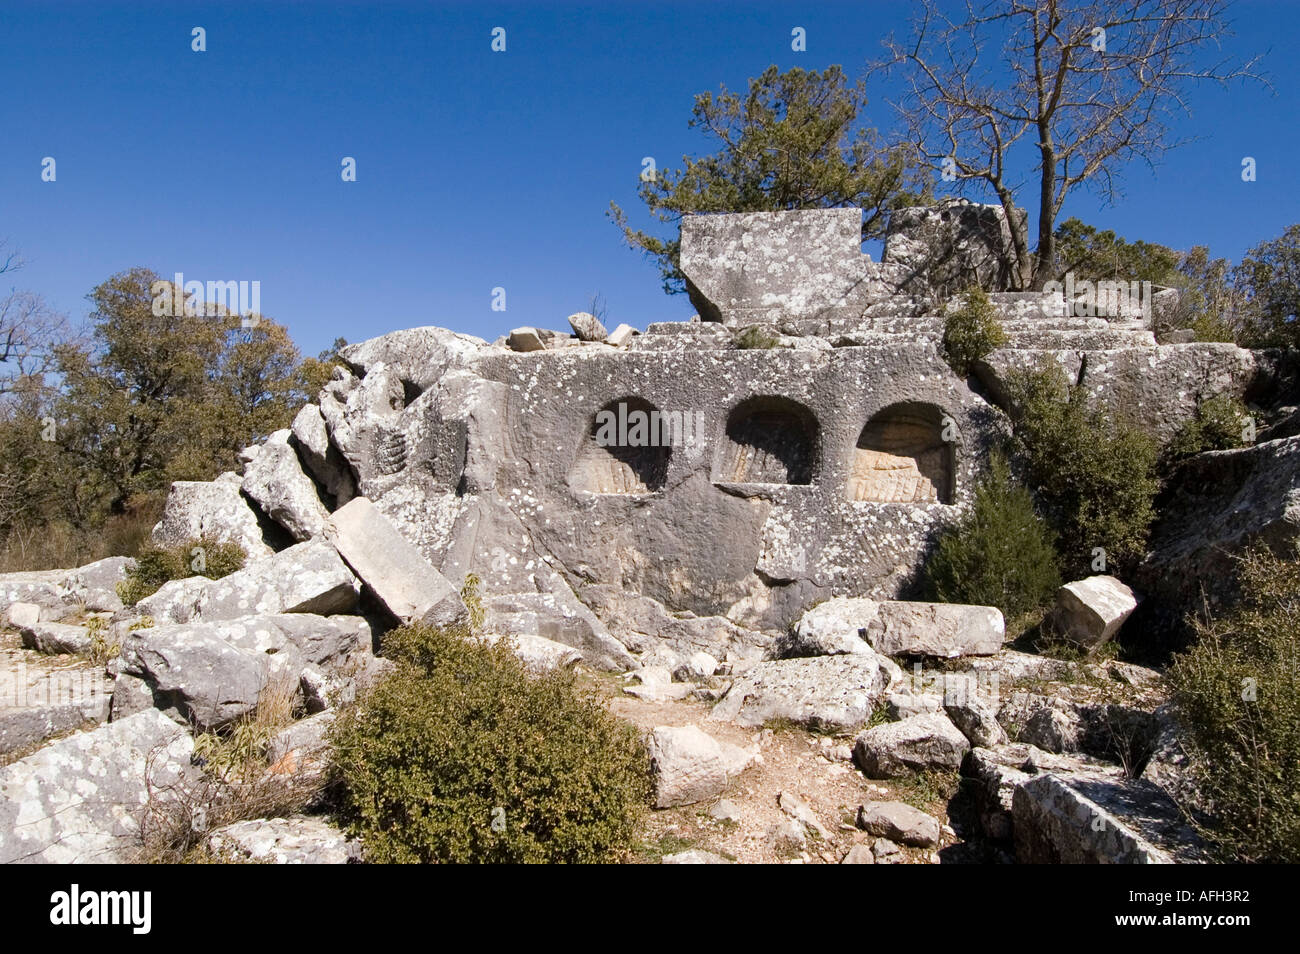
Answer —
971 332
1000 554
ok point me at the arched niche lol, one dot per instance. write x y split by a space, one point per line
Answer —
769 440
623 452
901 457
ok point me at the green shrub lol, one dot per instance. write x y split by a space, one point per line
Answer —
158 565
1220 424
1000 554
1094 475
971 332
460 755
1237 697
755 337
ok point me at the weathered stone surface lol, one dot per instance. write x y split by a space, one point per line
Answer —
1052 729
802 812
56 638
1216 505
286 841
525 340
43 589
275 481
320 458
538 653
558 619
945 248
833 628
39 699
1083 819
695 856
212 509
306 578
80 799
771 266
899 822
587 327
621 335
94 586
131 694
823 692
859 855
936 629
212 673
1089 612
175 601
301 750
391 567
977 720
918 744
690 765
419 356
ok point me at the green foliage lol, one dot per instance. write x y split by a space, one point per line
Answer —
755 337
791 142
1100 256
971 332
158 565
472 597
1000 554
1221 423
102 646
1237 696
1093 473
460 755
1269 281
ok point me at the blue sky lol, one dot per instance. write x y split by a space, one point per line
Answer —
474 169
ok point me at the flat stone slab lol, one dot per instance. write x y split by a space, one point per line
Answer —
286 841
823 692
81 799
392 567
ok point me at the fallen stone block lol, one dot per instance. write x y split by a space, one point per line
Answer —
392 567
213 509
836 627
689 765
277 484
1089 612
286 841
919 744
306 578
81 799
899 822
525 339
823 692
944 630
56 638
587 327
621 335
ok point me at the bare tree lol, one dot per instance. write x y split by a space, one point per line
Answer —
29 332
1092 84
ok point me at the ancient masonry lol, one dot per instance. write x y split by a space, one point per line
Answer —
829 443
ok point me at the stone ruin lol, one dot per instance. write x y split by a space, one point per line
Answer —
668 503
822 465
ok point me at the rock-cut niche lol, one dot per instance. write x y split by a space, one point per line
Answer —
901 457
623 453
769 440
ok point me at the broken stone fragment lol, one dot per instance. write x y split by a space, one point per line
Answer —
275 481
621 335
921 743
690 766
525 339
899 822
392 568
1089 612
587 327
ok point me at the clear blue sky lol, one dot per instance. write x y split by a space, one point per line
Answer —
475 169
